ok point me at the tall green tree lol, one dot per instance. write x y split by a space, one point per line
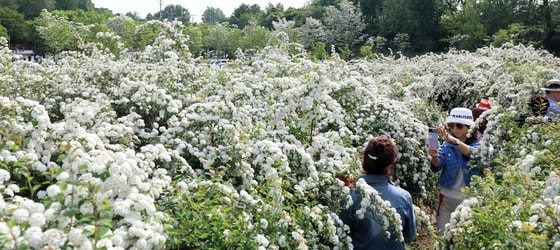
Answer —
85 4
195 39
272 13
551 16
295 14
176 11
213 15
464 27
11 4
15 25
498 14
370 10
392 18
172 12
317 8
32 8
245 14
424 26
66 4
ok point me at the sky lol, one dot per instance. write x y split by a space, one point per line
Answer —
196 7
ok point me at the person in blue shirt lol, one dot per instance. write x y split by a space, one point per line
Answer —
552 91
378 159
452 159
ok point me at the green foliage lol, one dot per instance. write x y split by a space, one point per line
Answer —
401 42
138 37
466 32
245 14
366 51
319 51
4 32
33 8
66 4
14 24
255 38
223 37
85 17
209 217
177 12
273 13
213 16
59 34
517 33
346 53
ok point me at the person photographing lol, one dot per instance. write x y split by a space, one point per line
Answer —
451 159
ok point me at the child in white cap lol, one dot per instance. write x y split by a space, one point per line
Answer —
452 158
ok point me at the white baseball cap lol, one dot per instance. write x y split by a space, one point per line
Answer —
460 115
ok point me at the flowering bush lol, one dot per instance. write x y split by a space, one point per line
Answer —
154 149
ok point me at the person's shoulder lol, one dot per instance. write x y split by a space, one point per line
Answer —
401 192
475 143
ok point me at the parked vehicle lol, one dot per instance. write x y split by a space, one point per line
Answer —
218 62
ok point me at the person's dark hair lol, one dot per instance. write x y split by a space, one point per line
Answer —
378 154
476 113
471 139
539 104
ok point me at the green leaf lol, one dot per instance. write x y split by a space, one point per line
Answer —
70 212
106 221
103 230
83 167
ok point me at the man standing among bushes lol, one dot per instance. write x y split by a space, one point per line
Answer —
552 91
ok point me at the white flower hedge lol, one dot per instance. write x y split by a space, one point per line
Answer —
155 149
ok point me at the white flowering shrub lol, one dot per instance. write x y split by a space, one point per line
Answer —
153 149
62 187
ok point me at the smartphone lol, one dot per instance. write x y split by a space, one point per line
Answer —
432 138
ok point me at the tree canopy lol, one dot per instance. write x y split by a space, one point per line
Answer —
412 27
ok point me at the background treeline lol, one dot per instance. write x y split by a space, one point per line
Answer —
353 27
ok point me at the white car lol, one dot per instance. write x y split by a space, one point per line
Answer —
218 62
17 57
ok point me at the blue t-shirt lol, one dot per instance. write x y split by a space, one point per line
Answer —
553 110
366 233
450 160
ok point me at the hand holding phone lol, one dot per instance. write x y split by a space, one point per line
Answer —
433 138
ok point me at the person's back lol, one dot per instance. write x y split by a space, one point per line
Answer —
379 157
367 233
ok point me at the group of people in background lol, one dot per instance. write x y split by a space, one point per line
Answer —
452 159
